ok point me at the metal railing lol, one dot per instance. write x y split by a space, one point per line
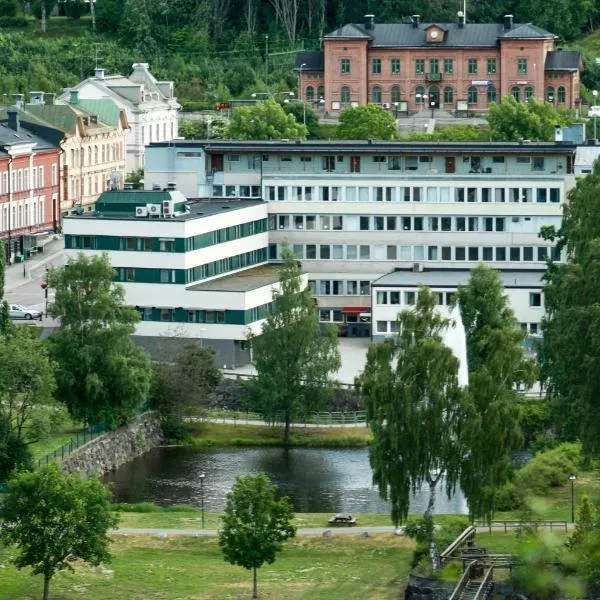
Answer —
78 440
486 585
332 418
466 536
510 525
462 582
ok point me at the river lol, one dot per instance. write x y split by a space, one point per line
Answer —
315 480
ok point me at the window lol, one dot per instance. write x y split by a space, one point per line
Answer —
324 252
419 93
460 253
364 223
528 253
320 92
555 195
376 94
365 252
310 93
379 223
491 66
378 159
393 163
549 94
328 163
311 251
501 254
528 93
392 252
472 66
542 195
521 66
434 66
473 253
376 66
394 297
448 95
395 62
562 95
472 95
448 66
516 93
410 298
538 163
395 95
535 299
382 326
491 94
345 66
345 94
382 298
419 66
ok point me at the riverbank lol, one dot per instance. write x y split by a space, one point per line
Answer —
224 434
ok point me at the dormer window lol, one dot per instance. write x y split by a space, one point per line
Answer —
434 34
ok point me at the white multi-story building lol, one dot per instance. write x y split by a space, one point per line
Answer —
151 107
355 211
194 270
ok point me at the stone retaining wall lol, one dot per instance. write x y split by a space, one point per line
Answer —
113 449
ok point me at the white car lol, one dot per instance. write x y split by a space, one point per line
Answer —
16 311
593 111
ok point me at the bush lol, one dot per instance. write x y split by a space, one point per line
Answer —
549 469
509 497
16 22
9 8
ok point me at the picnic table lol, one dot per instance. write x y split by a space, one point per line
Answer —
342 519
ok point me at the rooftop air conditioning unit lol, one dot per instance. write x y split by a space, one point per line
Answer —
516 219
385 105
141 211
171 186
418 267
156 187
154 209
168 208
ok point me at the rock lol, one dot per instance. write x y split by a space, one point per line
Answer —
327 533
365 534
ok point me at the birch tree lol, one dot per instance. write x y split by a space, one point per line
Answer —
286 12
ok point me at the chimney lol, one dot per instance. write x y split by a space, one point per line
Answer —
140 66
13 119
36 97
74 96
461 18
49 98
416 20
99 73
19 100
369 22
508 22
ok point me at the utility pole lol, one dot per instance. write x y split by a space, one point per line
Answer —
266 60
43 7
93 14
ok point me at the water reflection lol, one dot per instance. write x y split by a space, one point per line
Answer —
316 480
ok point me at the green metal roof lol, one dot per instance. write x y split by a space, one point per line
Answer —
108 112
132 198
61 116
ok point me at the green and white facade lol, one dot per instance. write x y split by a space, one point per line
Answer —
355 211
194 270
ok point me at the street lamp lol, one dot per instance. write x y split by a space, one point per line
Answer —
595 94
202 476
271 94
300 79
44 286
572 478
421 98
432 104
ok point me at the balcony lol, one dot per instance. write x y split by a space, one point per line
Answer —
433 77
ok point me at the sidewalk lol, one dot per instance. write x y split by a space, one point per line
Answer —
20 274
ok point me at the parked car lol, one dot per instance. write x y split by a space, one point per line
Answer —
593 111
16 311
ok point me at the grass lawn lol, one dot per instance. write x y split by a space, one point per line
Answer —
213 434
55 440
147 568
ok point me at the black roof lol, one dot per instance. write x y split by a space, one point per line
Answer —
374 147
10 137
312 61
406 35
563 60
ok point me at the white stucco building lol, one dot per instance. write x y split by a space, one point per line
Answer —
150 105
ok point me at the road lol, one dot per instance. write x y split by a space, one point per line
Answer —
23 280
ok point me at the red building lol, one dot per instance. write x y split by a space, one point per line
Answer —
29 186
410 66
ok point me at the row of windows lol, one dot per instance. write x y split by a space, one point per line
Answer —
419 253
310 92
435 64
387 223
231 191
151 133
339 287
26 179
96 155
181 276
188 315
22 215
393 326
148 244
412 194
442 298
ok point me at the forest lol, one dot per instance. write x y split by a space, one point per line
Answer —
216 50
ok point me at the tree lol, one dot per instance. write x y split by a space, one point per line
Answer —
9 8
535 121
292 356
54 519
101 375
255 525
497 366
302 112
26 394
185 384
5 323
264 121
414 408
136 178
570 352
286 12
367 122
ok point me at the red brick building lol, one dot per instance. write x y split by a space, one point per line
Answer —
410 66
29 186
